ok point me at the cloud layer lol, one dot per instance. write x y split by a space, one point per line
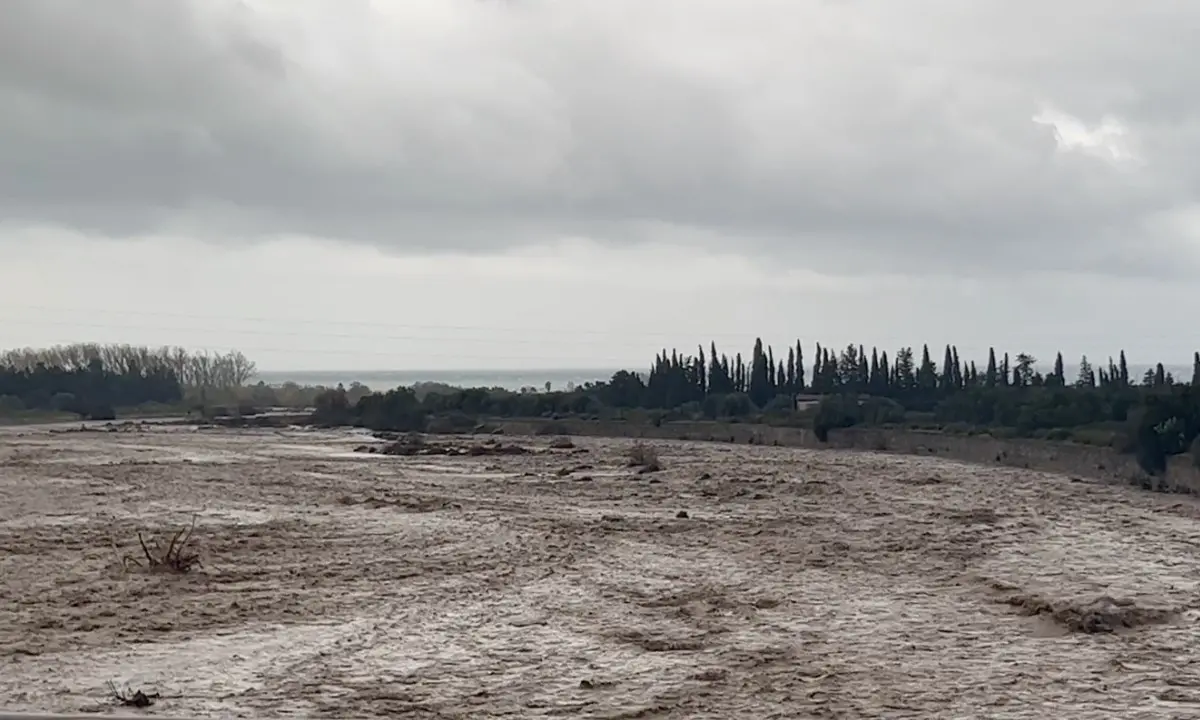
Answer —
846 136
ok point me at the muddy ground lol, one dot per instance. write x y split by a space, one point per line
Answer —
738 582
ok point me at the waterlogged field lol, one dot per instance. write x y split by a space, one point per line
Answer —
737 582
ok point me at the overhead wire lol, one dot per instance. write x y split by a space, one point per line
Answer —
359 323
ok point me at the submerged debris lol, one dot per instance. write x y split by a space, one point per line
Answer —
1103 614
415 444
128 698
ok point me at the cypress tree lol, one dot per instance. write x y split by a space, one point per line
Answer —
771 372
947 379
873 373
760 375
790 379
864 370
927 373
799 367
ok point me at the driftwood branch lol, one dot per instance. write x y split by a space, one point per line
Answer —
176 557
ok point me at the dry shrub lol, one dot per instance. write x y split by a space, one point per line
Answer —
176 557
1103 614
644 456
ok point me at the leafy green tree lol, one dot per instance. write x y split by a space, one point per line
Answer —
848 369
1087 375
1023 373
905 369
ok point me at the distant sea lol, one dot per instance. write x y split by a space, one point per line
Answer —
559 379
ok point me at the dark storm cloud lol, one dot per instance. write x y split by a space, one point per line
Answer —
855 136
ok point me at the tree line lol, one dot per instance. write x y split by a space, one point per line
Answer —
92 391
213 371
1154 414
93 380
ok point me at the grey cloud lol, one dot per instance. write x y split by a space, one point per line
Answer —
850 136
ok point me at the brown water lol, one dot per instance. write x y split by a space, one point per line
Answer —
801 584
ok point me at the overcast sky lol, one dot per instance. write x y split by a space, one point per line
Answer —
550 183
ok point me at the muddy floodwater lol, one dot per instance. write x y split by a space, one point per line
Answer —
737 582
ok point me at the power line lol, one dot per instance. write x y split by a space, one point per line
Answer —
314 334
649 348
593 360
595 363
92 311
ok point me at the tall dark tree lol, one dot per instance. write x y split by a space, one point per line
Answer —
772 387
991 375
760 375
946 381
833 379
1059 374
790 379
864 370
800 384
875 382
927 373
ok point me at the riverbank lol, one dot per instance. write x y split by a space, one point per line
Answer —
1102 463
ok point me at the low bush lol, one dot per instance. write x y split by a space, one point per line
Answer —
645 457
